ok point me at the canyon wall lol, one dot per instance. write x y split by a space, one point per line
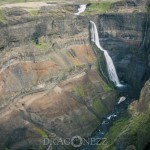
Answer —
50 85
124 36
49 79
134 124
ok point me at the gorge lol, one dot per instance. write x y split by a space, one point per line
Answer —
58 72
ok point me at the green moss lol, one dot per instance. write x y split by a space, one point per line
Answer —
105 86
8 1
118 127
2 17
86 90
79 90
33 12
98 8
144 119
102 69
41 132
41 46
18 1
120 124
135 131
99 107
41 148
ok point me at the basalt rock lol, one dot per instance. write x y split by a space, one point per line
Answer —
124 36
49 81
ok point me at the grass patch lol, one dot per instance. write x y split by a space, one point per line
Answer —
134 130
118 126
41 46
86 90
79 90
143 118
98 8
90 92
41 132
99 107
102 69
105 86
19 1
2 17
12 1
33 12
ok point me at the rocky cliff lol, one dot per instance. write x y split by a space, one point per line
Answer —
134 125
124 36
49 79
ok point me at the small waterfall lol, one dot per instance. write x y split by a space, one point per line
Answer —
110 65
81 9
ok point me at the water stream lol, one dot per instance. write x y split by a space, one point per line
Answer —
99 134
81 9
125 99
124 90
110 65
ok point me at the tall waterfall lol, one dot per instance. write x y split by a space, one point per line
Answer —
81 9
110 65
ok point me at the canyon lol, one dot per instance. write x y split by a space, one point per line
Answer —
54 80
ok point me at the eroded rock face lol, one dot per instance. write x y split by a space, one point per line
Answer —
124 36
46 49
139 122
74 106
49 83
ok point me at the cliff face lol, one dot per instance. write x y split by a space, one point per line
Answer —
49 80
42 51
123 35
133 127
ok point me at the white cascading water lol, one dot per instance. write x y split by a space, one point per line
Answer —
81 9
110 65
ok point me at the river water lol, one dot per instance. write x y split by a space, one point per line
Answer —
126 92
119 109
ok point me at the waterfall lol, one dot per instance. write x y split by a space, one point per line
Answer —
110 65
81 9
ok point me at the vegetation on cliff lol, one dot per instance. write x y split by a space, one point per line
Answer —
68 114
2 17
89 91
18 1
118 127
132 129
98 8
41 132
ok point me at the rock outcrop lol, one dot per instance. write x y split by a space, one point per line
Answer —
50 86
134 125
49 80
123 35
